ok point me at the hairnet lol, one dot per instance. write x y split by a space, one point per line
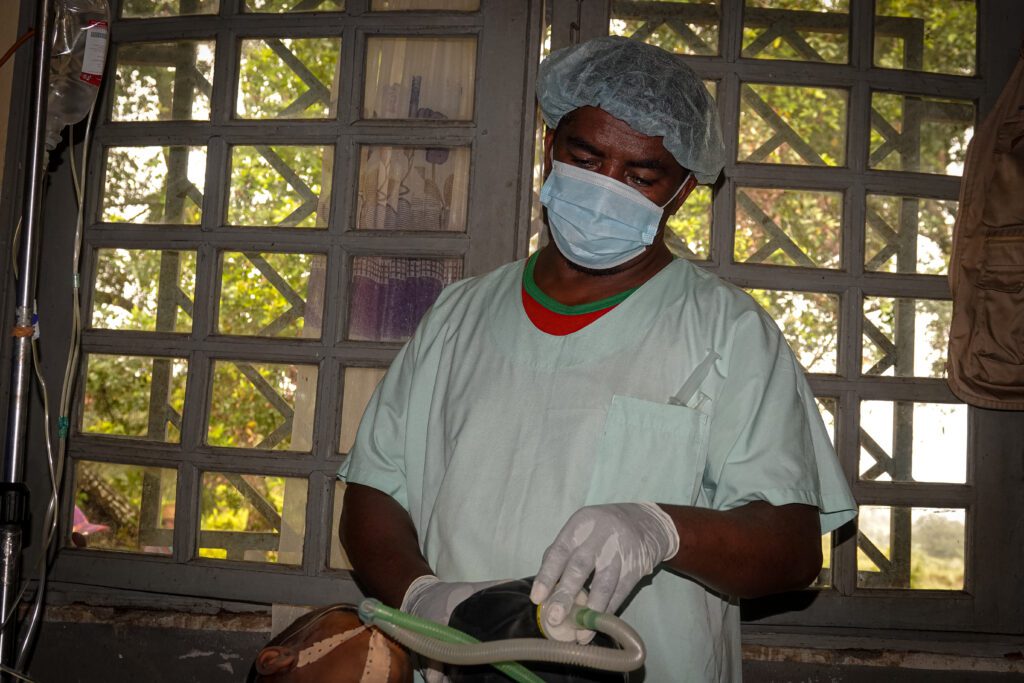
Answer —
646 87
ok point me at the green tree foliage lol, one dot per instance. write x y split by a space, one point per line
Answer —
163 81
939 36
111 495
224 507
242 415
937 553
275 183
127 292
167 8
829 41
268 88
261 195
120 396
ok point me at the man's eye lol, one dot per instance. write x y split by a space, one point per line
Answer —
641 182
585 163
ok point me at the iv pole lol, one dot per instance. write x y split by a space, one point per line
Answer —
14 503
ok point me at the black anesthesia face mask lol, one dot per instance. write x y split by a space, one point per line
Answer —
505 611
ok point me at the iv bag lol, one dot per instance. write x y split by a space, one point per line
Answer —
81 29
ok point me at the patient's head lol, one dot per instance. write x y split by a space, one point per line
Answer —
331 644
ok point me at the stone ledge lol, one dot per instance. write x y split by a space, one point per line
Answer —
993 657
148 618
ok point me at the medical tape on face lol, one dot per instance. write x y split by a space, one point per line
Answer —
321 648
378 660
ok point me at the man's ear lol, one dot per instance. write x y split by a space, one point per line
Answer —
274 660
688 186
549 148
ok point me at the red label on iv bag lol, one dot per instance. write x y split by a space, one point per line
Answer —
95 52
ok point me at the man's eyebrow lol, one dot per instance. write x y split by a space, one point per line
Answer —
584 145
580 143
652 164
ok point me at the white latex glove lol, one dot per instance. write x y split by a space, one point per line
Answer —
620 543
431 598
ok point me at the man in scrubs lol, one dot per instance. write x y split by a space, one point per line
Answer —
621 424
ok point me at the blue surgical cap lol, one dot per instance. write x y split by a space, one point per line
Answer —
646 87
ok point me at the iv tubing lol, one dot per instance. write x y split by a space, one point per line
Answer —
438 642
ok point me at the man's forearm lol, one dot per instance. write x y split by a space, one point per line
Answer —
750 551
381 542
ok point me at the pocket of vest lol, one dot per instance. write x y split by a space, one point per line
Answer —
1002 268
649 451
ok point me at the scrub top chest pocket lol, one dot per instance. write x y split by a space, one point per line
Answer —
649 451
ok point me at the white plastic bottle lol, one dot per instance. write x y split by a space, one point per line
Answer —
81 29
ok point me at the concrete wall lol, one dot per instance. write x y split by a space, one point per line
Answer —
81 644
89 645
8 34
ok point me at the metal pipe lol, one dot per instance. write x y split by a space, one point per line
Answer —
14 458
28 260
10 547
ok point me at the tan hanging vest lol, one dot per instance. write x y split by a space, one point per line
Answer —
986 274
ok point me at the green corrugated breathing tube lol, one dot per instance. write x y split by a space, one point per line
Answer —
449 645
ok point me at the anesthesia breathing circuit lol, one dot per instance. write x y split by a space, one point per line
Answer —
452 646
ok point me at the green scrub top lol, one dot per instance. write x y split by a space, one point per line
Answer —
492 433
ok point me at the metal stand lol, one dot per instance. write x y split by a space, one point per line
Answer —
13 493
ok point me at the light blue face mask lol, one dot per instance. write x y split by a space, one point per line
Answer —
596 221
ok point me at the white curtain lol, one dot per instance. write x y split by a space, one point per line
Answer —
413 188
418 5
420 77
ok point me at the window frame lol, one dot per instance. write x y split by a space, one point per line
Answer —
994 546
496 231
988 602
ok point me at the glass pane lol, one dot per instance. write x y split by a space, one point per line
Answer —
131 9
909 234
294 5
413 188
359 384
338 557
915 133
927 35
163 81
810 323
915 548
802 30
252 517
905 337
136 396
145 290
389 295
129 508
416 5
824 579
689 230
674 25
287 187
788 227
828 407
288 78
154 185
272 295
420 78
783 124
906 441
266 406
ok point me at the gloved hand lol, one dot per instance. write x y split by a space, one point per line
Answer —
620 543
431 598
